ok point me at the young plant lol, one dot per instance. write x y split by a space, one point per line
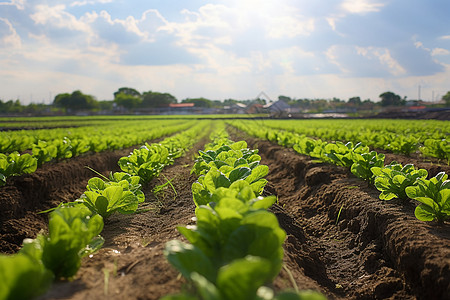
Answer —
113 198
236 245
146 162
363 164
23 275
436 148
43 152
393 179
15 164
342 154
73 234
434 196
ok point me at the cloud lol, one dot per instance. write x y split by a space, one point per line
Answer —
440 51
361 6
8 35
356 61
19 4
87 2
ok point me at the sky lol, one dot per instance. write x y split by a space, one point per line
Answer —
225 49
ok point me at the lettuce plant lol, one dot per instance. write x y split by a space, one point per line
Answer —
393 179
363 164
23 275
236 245
146 162
434 196
436 148
111 199
43 152
203 189
73 234
16 164
342 154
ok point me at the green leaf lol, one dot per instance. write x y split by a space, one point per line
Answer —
258 173
215 179
241 279
96 183
206 289
101 205
424 213
239 173
387 195
187 259
22 277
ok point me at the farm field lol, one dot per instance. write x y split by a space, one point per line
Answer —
341 239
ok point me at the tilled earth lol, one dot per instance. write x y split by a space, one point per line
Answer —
341 239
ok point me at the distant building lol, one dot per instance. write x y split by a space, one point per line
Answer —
278 108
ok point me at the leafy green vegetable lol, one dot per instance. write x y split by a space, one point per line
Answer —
393 179
16 164
23 275
43 152
434 195
73 234
363 164
114 198
146 162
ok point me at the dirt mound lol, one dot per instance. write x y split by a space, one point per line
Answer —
341 239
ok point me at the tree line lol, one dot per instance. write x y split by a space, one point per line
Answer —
129 99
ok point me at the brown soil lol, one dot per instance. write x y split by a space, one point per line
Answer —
373 250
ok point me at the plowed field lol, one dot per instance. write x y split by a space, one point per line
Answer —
341 239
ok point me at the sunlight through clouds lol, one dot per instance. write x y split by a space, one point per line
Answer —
224 48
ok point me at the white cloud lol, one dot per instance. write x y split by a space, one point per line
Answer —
359 61
10 37
87 2
56 16
19 4
440 51
361 6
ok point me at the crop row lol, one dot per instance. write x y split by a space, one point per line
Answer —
74 228
62 144
235 248
393 180
430 137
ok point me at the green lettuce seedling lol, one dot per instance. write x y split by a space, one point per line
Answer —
342 154
434 195
393 179
363 164
114 198
16 164
73 234
146 162
23 275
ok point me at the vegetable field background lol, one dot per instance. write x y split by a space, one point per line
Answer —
342 239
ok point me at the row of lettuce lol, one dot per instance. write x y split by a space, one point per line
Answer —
393 180
74 228
234 251
57 144
427 137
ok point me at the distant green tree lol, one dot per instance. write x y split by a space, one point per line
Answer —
389 98
156 99
75 101
446 98
127 101
11 106
355 100
199 102
285 99
127 91
105 104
